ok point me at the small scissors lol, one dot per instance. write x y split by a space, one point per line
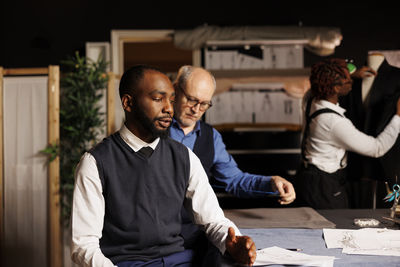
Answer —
393 195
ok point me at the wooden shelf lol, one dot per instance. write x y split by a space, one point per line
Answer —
295 81
256 127
244 73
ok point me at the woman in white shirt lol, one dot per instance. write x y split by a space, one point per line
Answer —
328 134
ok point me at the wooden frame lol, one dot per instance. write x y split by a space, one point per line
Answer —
54 224
55 239
119 37
111 103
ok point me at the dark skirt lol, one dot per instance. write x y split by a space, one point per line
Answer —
321 190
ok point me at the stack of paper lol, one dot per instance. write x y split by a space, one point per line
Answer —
367 241
277 255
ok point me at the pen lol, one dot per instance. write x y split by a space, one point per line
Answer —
294 249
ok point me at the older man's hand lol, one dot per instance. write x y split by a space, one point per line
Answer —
285 188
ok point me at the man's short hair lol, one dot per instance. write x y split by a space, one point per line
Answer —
131 78
184 74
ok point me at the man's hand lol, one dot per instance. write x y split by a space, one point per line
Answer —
363 72
241 248
285 189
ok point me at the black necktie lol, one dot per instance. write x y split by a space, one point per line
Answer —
146 151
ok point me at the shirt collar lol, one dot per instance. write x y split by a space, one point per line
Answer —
135 142
196 128
326 104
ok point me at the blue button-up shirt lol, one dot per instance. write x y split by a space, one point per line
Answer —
238 183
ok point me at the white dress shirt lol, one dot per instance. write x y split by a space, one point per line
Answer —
330 135
89 207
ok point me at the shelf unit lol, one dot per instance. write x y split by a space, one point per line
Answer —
261 148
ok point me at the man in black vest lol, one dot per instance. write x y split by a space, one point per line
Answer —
130 188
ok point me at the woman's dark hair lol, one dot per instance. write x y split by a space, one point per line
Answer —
325 75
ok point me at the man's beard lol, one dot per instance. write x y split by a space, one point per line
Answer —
148 124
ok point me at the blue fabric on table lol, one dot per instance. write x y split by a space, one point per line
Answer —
311 241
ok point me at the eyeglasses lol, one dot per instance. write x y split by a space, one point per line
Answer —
192 102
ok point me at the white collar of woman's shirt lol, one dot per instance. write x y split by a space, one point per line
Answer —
320 104
135 142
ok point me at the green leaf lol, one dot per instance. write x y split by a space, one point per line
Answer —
51 151
82 85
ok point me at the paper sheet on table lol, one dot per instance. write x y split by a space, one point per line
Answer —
367 241
277 255
336 238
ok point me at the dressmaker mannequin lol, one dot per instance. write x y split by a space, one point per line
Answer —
369 106
374 61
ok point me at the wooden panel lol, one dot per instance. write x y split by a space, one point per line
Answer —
277 73
26 71
111 104
256 126
25 171
296 81
55 242
53 233
115 113
163 55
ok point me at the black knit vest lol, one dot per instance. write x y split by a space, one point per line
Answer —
143 198
204 147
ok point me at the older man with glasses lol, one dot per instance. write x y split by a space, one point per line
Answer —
194 88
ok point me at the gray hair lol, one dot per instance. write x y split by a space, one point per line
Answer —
184 74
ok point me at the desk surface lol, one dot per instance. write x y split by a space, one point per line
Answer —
302 217
311 240
306 217
343 218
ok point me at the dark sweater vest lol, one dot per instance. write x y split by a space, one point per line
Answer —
143 198
204 147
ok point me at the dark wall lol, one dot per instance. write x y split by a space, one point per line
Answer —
39 33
